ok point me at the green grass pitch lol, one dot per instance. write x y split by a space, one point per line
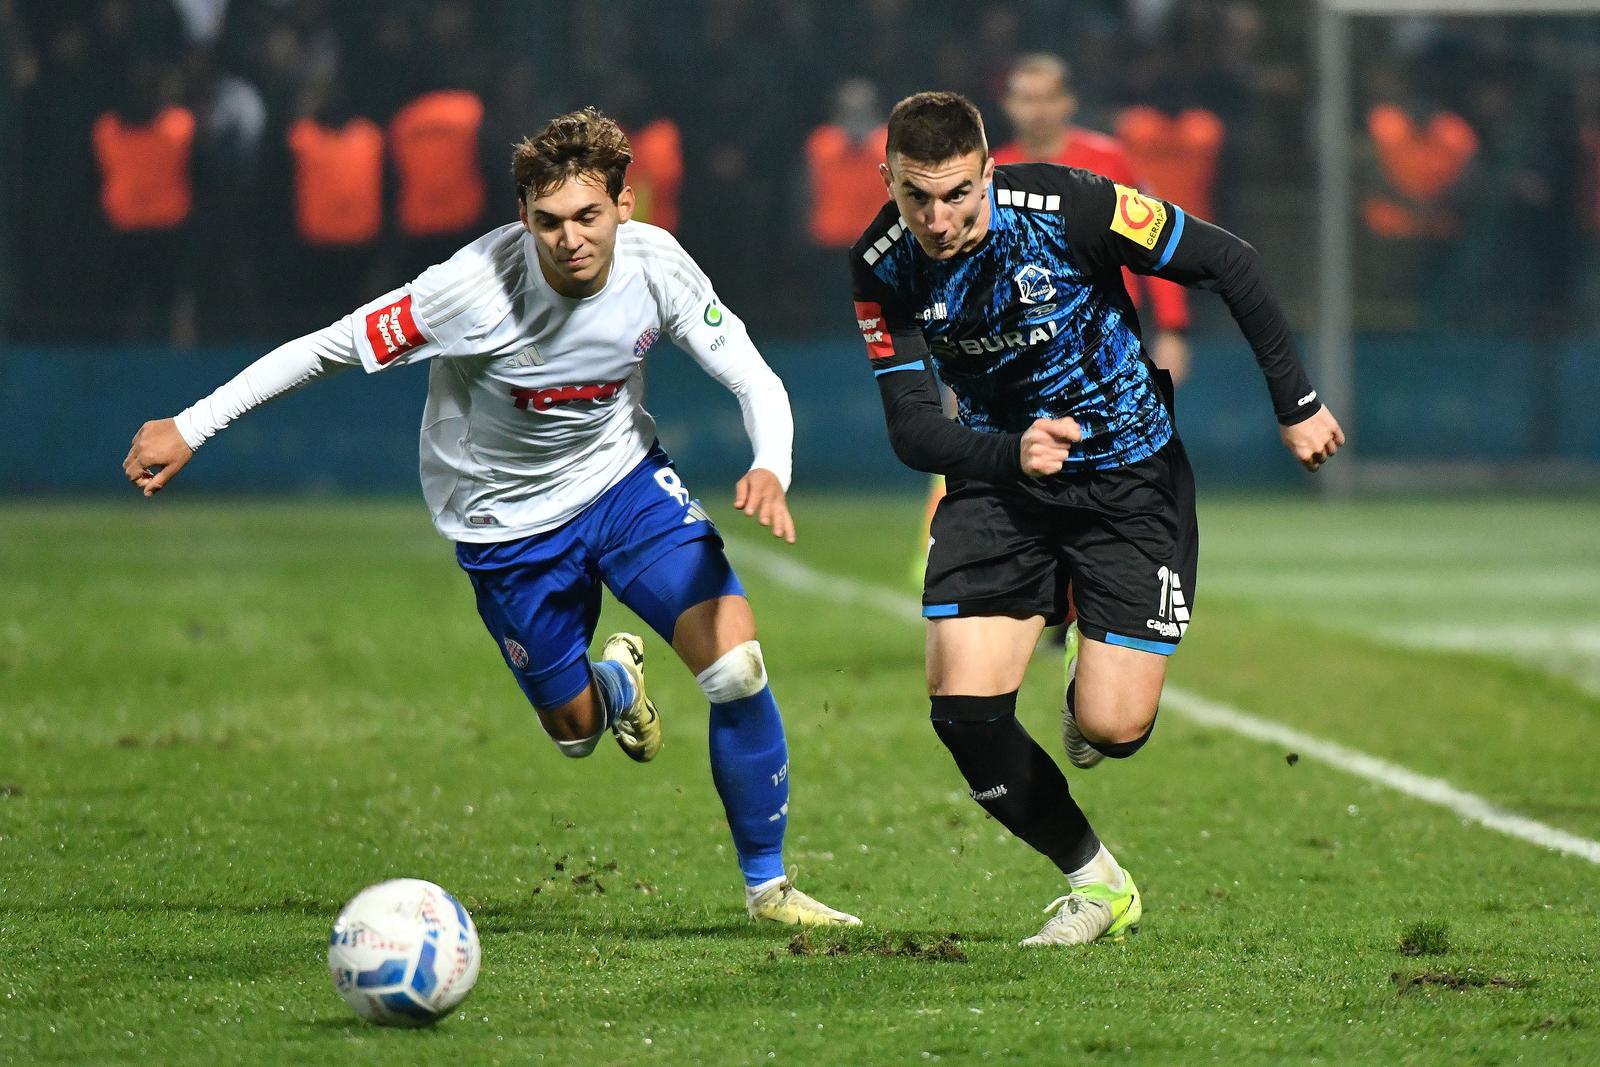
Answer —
218 721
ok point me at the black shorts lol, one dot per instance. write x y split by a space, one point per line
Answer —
1126 541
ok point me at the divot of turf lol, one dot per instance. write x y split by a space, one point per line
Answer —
1551 1023
945 950
1454 980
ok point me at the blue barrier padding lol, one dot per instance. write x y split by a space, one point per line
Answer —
69 412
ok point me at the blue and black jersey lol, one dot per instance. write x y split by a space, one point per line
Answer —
1035 322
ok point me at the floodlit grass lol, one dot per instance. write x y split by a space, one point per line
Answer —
217 722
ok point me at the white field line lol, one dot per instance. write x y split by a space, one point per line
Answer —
1507 637
803 578
1578 585
1570 652
1401 779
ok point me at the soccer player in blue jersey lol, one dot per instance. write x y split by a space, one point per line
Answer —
1063 460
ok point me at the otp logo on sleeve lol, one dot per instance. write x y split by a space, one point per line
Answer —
869 320
391 330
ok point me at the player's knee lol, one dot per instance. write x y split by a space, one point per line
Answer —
1124 738
945 709
572 726
738 673
967 725
1112 720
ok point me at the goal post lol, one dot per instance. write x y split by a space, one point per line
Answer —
1336 194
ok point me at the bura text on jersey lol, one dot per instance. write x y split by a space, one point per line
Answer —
977 346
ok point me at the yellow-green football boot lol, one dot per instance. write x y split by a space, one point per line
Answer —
1093 912
781 902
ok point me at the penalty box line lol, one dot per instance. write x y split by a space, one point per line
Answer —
840 589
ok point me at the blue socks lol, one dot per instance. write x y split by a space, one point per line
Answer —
750 766
615 689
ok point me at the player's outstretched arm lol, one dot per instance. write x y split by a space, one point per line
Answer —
1113 225
162 447
1232 267
717 340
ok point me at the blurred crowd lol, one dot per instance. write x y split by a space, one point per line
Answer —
212 170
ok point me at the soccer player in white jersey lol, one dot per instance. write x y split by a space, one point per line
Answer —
539 461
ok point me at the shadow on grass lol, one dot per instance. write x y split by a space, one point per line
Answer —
518 918
350 1026
780 936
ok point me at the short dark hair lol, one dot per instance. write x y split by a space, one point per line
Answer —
936 126
579 142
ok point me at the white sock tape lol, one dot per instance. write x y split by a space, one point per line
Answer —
580 748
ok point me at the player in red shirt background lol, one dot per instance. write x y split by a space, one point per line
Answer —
1041 105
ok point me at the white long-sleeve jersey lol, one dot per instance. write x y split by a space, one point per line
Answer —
535 400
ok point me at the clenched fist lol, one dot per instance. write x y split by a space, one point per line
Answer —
1313 441
1046 445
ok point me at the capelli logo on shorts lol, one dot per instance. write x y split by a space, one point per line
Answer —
1165 629
994 793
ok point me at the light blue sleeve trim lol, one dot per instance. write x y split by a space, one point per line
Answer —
940 611
1172 242
918 365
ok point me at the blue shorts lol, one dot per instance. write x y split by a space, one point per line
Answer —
651 544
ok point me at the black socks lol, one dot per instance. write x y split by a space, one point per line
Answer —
1013 778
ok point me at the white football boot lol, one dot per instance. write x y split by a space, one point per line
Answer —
638 727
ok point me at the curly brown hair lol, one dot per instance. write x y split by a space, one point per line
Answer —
580 142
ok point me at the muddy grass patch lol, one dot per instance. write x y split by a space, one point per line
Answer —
1405 983
945 950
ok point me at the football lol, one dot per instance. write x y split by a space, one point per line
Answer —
403 953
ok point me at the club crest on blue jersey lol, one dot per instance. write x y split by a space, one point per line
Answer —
1034 285
646 341
516 653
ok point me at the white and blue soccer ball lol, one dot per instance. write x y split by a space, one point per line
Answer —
403 953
